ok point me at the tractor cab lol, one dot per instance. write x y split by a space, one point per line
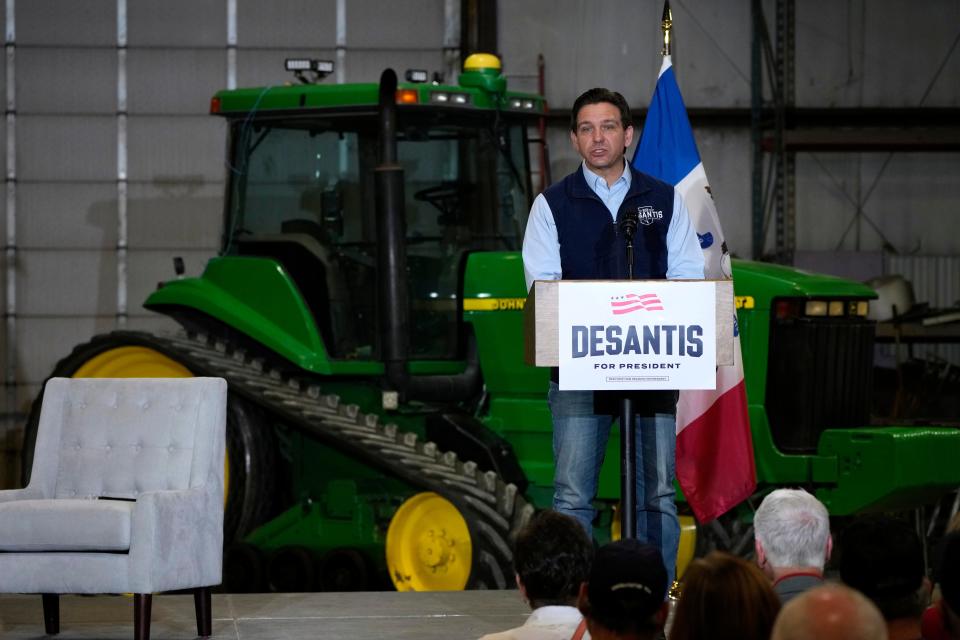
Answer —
301 170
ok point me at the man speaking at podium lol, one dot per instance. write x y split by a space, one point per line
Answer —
576 231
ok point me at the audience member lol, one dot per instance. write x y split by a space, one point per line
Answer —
724 597
624 597
882 557
792 541
830 612
942 620
552 557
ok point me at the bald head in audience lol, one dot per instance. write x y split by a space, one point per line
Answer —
830 612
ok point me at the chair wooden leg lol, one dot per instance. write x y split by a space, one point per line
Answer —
201 602
51 613
141 615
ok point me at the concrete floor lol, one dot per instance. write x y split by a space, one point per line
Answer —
273 616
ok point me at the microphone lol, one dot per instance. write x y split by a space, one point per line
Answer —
627 225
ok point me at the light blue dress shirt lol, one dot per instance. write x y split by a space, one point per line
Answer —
541 245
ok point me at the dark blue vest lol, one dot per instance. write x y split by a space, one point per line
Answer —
591 247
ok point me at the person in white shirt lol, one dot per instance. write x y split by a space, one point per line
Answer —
552 557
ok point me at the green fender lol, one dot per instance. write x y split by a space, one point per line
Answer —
257 297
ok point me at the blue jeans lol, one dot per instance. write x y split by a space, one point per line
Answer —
579 442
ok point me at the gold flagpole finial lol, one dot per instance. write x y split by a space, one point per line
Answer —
666 25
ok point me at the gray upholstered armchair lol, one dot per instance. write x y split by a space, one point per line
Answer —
125 495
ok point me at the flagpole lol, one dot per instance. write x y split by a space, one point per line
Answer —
666 26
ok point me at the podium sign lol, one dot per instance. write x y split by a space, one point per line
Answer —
642 334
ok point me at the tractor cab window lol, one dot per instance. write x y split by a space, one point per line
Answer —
466 190
303 193
295 195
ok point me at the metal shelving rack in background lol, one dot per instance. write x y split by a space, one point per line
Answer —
780 130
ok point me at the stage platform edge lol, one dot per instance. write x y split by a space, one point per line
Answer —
267 616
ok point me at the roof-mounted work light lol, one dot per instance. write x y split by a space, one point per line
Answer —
318 69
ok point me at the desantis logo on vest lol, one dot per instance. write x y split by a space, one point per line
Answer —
646 215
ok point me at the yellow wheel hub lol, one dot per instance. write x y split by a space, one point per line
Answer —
428 545
688 538
140 362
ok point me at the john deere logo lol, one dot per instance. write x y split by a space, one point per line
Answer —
646 215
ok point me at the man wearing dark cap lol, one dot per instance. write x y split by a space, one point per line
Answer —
624 597
882 557
942 620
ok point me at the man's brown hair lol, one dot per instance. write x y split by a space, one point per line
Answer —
596 96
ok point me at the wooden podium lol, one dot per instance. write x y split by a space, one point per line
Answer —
542 348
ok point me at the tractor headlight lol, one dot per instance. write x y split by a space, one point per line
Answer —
815 308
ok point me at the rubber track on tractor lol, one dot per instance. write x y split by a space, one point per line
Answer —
492 509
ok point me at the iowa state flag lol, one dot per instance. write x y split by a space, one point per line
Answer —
714 451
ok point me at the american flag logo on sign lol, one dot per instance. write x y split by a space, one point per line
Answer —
635 302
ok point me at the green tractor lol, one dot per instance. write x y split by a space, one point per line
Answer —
366 310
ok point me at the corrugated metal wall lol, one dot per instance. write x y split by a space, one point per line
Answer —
110 103
936 281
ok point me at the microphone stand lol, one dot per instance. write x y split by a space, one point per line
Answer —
628 434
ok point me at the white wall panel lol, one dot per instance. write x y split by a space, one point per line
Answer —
3 236
66 282
67 215
617 45
585 45
917 201
373 24
913 203
66 23
860 53
66 148
42 342
308 24
3 158
3 154
180 23
66 80
175 215
158 81
366 66
171 149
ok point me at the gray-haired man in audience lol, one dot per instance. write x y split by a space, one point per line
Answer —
792 539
